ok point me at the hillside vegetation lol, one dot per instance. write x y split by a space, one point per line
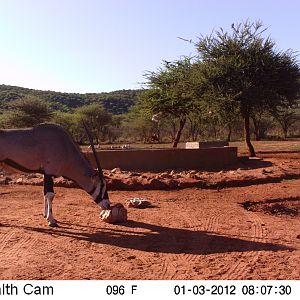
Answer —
116 102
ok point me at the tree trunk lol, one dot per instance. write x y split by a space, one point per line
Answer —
229 133
256 129
257 121
215 131
193 129
193 132
178 134
251 150
285 132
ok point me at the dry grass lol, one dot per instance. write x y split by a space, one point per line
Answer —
260 146
269 146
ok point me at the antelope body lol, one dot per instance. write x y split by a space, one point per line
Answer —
50 150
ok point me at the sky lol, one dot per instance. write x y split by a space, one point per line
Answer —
91 46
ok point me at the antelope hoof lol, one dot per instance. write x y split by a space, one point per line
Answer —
52 224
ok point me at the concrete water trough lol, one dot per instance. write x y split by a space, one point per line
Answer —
203 145
166 159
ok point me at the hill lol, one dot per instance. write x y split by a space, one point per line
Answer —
116 102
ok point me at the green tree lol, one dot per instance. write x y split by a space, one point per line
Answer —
261 121
138 123
286 117
96 118
26 112
115 129
245 68
171 92
199 121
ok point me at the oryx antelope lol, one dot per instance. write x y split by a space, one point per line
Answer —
50 150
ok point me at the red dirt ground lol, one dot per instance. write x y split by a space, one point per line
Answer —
246 232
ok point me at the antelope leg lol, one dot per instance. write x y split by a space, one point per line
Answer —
48 198
49 216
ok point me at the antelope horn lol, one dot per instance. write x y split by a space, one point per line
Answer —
93 148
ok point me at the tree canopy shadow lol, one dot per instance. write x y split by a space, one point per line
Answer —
280 206
154 238
244 162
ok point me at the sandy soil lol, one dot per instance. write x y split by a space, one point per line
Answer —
232 232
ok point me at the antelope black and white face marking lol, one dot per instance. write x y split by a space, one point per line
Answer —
100 195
